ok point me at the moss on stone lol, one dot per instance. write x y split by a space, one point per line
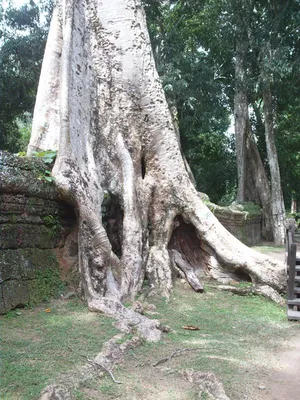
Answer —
22 175
47 283
248 210
29 276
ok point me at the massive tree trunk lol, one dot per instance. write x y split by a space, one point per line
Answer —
116 140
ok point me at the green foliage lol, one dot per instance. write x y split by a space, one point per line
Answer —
23 35
48 157
24 128
193 82
46 176
54 223
194 46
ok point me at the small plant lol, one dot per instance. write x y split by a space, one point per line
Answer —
53 222
46 176
48 157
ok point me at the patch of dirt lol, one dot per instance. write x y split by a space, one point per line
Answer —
142 381
146 383
279 255
282 381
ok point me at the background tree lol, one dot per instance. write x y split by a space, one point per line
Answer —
222 45
194 85
23 34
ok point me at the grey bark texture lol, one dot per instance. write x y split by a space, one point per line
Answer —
253 184
116 135
241 118
278 209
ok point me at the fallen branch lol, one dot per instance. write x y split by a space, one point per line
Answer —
177 352
188 271
262 290
105 369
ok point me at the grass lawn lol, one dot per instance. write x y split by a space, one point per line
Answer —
267 248
37 345
237 339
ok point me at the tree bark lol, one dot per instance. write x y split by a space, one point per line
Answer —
278 210
293 206
116 136
258 187
253 184
241 117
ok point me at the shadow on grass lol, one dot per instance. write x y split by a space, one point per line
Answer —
37 345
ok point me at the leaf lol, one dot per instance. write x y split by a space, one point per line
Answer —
191 328
47 160
49 178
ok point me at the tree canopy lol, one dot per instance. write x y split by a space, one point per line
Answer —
194 45
23 33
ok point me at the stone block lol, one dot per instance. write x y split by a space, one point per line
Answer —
15 294
14 236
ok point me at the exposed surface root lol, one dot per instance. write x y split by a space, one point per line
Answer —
111 354
263 290
207 384
127 320
175 354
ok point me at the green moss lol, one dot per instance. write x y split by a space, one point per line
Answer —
248 207
46 283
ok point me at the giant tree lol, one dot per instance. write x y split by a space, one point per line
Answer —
101 105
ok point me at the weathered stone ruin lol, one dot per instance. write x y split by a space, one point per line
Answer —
34 226
38 235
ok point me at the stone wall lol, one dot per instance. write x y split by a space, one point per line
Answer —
243 223
33 228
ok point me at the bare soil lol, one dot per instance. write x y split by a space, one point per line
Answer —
282 382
